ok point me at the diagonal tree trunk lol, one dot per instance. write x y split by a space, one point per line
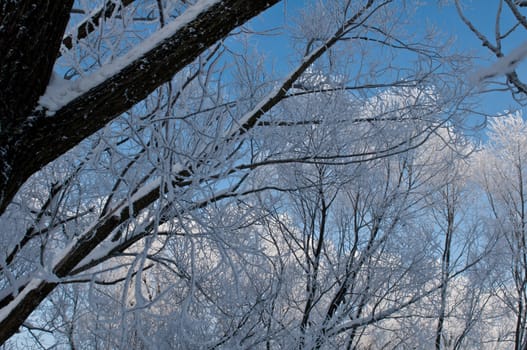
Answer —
29 143
16 309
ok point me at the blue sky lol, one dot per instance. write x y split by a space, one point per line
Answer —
438 13
482 13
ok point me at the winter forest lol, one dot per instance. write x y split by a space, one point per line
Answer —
263 174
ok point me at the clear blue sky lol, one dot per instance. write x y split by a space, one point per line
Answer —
439 13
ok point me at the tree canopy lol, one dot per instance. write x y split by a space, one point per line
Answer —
166 183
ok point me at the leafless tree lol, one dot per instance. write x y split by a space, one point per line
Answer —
502 176
133 137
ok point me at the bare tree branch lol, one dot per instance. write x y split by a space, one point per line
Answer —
88 25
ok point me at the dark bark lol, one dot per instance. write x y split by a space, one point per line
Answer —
30 35
34 143
445 271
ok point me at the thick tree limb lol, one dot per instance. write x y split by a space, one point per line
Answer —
27 147
16 311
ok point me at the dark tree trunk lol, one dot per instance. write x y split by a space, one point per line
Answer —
26 146
30 36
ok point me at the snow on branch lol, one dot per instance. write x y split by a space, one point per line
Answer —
60 92
504 65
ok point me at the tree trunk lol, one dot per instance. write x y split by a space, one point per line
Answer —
30 36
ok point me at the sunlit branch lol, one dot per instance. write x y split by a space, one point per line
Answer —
90 24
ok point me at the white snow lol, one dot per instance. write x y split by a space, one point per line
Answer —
504 65
60 92
6 310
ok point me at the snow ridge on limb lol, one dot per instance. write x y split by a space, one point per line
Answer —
116 87
60 93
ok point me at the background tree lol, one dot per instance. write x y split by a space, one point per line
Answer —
503 165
